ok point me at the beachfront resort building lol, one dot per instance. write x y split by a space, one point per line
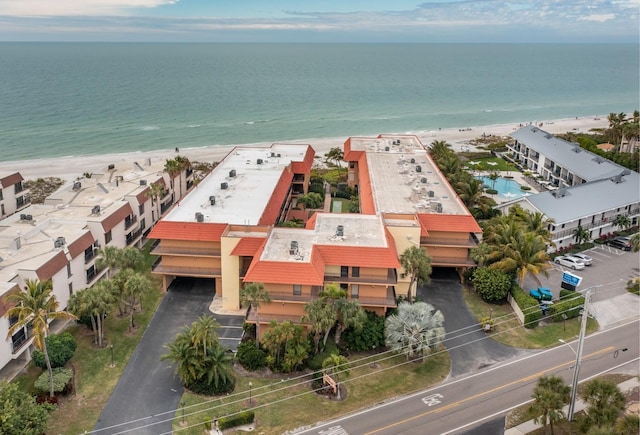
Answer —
14 195
60 239
226 230
586 190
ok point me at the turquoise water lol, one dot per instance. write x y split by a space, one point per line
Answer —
507 188
60 99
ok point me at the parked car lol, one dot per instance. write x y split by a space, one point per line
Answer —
568 261
623 243
587 260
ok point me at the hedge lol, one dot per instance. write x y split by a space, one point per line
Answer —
60 347
244 417
251 357
569 305
528 307
61 380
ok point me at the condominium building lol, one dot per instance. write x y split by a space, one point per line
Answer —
226 230
59 240
14 195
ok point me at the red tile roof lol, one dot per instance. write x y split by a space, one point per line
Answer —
11 179
272 210
311 223
358 256
307 162
195 231
79 245
450 223
52 266
117 216
367 201
4 304
287 272
248 246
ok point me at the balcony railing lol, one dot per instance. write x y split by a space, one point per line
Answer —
290 297
133 236
165 206
191 251
470 242
88 256
452 262
20 339
391 278
160 268
389 300
129 221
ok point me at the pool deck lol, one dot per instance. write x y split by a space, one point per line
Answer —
516 176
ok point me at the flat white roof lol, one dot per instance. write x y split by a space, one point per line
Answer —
357 230
240 186
404 179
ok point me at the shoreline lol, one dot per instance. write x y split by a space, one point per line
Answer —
70 167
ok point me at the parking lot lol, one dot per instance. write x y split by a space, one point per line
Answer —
607 277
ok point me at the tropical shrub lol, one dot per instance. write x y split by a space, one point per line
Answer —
61 380
61 348
569 306
372 334
528 305
244 417
19 412
491 284
250 357
204 386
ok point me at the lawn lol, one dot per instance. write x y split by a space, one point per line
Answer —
283 403
497 164
508 330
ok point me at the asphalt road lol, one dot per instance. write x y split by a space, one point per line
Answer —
462 404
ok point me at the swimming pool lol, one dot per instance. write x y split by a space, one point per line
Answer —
507 188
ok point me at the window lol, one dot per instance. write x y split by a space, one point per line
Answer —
141 209
69 274
70 289
297 289
344 271
355 291
143 224
107 237
355 272
1 197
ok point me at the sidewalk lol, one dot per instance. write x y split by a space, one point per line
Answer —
530 426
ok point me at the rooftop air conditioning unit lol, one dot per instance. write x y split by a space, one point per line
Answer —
77 185
95 209
340 231
418 168
293 248
232 173
438 208
28 217
23 217
423 180
212 200
273 154
278 155
111 167
431 194
143 182
413 160
224 185
386 148
199 217
259 161
59 242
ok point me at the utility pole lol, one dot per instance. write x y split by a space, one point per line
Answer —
576 367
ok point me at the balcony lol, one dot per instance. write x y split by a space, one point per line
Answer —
391 278
471 242
290 297
389 300
166 206
266 317
89 255
20 339
19 187
186 251
133 236
210 272
452 262
189 171
129 221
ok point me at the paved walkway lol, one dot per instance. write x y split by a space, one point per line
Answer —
530 426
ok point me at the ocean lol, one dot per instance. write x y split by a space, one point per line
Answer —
70 99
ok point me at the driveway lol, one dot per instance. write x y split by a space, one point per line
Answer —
148 393
469 347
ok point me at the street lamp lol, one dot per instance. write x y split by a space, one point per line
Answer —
250 385
111 347
374 356
182 404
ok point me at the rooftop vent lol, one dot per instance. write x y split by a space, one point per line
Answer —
560 193
387 148
413 160
59 242
340 231
143 182
199 217
77 185
548 136
212 200
137 166
95 209
598 159
232 173
224 185
418 168
576 150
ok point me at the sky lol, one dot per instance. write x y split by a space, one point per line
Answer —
463 21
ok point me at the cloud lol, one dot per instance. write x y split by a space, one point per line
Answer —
600 18
50 8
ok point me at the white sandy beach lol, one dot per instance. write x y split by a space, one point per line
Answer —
68 168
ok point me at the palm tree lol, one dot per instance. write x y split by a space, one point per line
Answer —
493 176
349 314
628 424
336 365
108 257
218 369
549 397
417 264
203 332
525 254
134 288
538 224
622 221
310 200
188 363
635 242
605 402
321 318
95 302
254 294
439 149
472 195
36 307
415 330
334 155
581 235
